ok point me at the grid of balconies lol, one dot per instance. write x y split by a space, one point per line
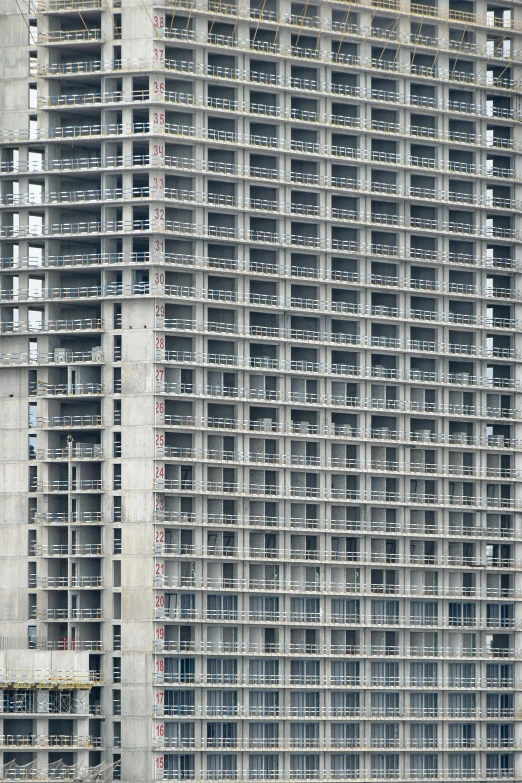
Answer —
321 202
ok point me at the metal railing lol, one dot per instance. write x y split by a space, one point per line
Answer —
45 326
65 390
334 431
51 677
78 485
59 356
63 582
69 614
175 227
255 268
409 527
315 618
232 42
77 451
331 556
78 518
322 23
101 195
220 488
63 550
51 6
84 35
88 421
99 163
490 51
335 339
102 130
321 588
321 368
270 301
256 459
251 77
369 651
49 741
242 394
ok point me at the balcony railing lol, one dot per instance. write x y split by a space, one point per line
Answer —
256 79
80 645
99 195
332 556
325 587
70 132
356 186
70 197
332 400
340 776
277 334
332 712
270 301
373 651
77 325
49 741
349 371
231 42
53 6
348 682
98 163
69 614
325 463
182 260
58 356
63 582
78 485
78 518
79 451
51 678
490 51
354 154
203 231
63 550
407 528
52 422
323 23
85 35
332 431
315 743
220 488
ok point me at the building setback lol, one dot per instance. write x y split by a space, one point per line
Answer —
260 390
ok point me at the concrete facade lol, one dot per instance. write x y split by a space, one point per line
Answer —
260 388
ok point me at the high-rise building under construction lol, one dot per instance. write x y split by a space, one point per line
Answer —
260 390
